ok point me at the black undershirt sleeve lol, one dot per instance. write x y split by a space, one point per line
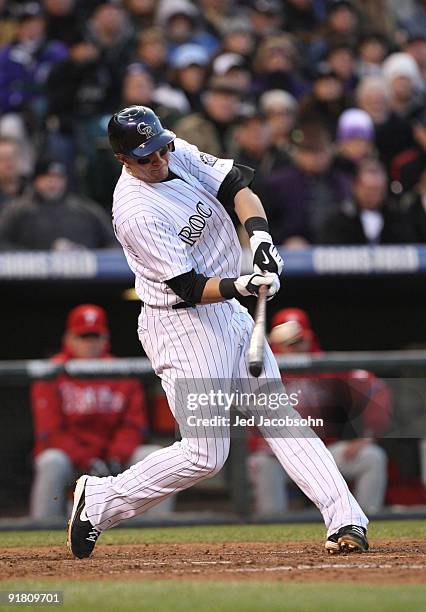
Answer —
188 286
237 178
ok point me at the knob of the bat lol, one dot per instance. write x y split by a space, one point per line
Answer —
255 368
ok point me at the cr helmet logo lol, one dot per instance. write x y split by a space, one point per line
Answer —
145 130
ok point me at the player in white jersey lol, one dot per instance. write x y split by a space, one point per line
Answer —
171 214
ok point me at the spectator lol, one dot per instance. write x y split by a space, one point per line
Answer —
49 217
355 139
302 17
276 67
377 16
12 176
340 399
141 13
63 21
189 66
371 218
416 22
393 133
401 10
109 30
415 46
303 195
266 17
280 109
328 99
405 84
409 164
13 126
233 67
254 148
210 130
95 426
215 14
342 24
25 63
342 20
239 38
372 49
139 88
8 23
416 203
180 22
80 90
342 61
151 51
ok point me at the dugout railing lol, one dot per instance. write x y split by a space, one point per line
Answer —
378 361
405 369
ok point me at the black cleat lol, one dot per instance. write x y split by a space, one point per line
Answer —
82 535
350 538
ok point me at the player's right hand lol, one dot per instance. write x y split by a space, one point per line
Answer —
249 284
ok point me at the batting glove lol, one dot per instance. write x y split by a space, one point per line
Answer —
265 255
249 284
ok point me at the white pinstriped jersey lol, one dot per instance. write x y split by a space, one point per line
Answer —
168 228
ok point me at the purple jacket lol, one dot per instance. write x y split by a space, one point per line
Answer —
23 72
288 197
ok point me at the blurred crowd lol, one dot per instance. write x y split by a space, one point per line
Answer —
324 98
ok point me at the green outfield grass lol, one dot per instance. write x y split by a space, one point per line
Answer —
220 596
185 596
215 533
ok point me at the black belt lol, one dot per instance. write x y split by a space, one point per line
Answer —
178 306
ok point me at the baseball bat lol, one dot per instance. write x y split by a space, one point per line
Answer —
257 340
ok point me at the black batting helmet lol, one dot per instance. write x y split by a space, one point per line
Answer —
137 131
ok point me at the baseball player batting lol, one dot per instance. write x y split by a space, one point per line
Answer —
171 215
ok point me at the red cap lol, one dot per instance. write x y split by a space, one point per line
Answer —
86 319
292 314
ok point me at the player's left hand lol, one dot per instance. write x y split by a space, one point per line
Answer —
274 287
265 255
249 284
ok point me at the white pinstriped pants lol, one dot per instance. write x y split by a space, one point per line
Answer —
211 342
